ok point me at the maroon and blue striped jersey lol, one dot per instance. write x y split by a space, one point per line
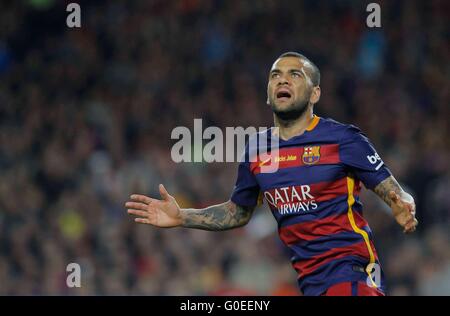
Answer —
314 197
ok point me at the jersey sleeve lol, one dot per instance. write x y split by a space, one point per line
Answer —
360 158
246 191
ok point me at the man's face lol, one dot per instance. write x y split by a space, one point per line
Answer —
289 88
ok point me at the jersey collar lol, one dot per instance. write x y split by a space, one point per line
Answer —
313 123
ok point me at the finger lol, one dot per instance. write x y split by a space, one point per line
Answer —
137 206
164 194
141 198
137 212
410 207
409 217
412 224
142 220
410 227
409 222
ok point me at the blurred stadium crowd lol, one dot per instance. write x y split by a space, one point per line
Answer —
86 117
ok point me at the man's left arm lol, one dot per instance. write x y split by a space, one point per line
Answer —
401 203
360 157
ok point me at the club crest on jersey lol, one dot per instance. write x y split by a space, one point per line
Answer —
311 155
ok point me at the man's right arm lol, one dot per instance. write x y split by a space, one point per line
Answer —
219 217
166 212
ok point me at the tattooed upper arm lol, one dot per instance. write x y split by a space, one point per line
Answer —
223 216
387 185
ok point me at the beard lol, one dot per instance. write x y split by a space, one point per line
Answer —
292 112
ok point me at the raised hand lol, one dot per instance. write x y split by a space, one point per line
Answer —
160 213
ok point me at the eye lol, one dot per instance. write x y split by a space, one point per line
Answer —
275 75
296 75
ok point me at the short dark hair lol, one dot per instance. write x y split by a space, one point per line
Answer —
315 74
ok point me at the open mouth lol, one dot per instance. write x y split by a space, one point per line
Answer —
283 95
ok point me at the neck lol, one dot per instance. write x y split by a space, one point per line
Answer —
291 128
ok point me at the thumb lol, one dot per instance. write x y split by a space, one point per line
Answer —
164 194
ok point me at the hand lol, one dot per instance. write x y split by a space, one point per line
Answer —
160 213
404 210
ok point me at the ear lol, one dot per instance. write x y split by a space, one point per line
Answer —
315 95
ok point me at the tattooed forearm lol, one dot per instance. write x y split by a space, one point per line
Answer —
386 186
217 217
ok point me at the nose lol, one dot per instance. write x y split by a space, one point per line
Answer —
282 81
